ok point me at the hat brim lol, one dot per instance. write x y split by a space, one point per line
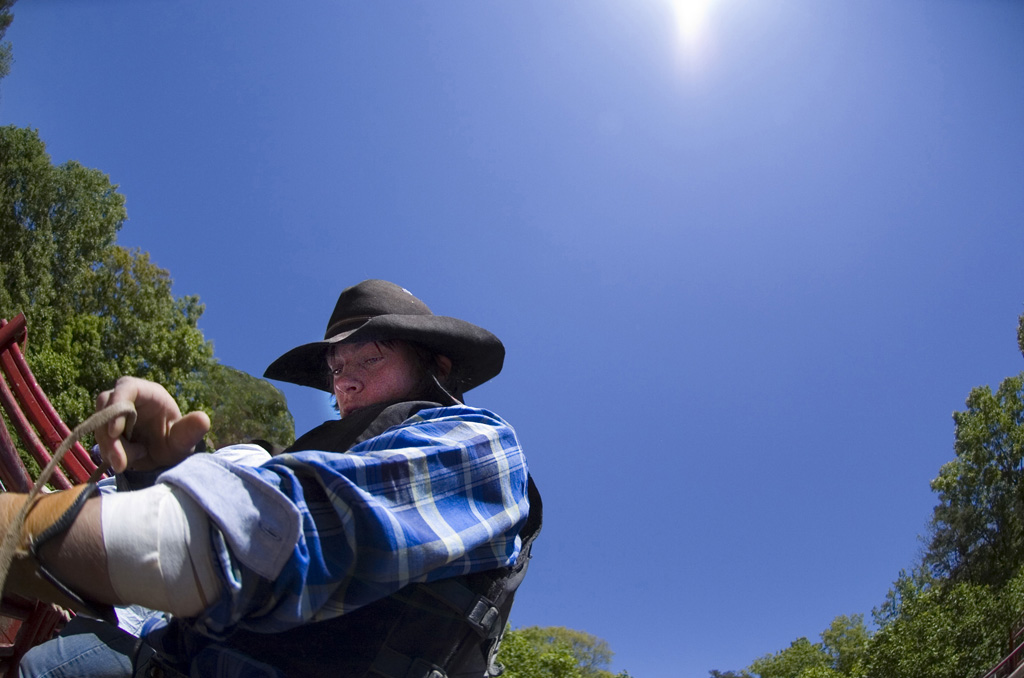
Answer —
476 354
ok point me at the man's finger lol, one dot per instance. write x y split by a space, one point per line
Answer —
186 433
115 455
115 429
125 390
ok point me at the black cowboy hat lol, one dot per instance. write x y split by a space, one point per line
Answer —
377 310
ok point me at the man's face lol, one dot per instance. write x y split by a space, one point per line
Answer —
371 373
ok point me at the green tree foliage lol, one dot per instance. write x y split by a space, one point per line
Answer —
6 54
244 408
907 587
845 642
842 653
55 224
124 320
801 657
1020 334
524 659
947 631
97 311
593 654
954 613
555 652
978 525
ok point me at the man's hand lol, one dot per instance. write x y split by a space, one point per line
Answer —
161 436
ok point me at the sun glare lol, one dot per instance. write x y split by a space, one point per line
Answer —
692 19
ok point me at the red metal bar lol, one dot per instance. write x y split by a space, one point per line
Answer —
39 626
40 412
12 470
33 410
28 622
12 331
14 609
78 455
19 380
1018 633
16 606
9 628
77 462
24 428
1009 663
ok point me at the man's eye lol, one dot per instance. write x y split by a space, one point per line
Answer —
373 360
336 371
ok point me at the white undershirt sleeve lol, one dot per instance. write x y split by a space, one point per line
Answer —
158 550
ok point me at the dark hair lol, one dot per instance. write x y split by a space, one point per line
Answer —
434 383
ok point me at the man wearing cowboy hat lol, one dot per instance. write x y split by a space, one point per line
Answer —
386 543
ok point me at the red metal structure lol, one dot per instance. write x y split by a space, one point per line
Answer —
1012 666
28 412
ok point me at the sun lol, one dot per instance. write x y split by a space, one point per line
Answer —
692 20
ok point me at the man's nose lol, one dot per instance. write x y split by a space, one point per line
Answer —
346 382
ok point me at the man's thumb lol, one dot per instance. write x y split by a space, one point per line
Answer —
186 433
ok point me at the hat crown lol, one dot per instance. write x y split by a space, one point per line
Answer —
369 299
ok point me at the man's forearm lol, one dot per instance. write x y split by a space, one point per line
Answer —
150 547
78 558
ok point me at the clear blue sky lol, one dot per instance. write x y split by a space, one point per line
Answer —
747 257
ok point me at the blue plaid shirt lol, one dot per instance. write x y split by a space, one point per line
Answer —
312 535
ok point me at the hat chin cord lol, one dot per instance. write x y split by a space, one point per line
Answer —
436 386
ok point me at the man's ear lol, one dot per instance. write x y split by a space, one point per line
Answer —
444 366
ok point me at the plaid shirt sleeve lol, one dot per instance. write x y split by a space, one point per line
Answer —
442 494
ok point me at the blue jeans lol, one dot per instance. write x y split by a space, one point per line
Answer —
86 647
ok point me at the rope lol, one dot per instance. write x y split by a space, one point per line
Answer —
101 418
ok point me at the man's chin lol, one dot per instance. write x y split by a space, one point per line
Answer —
349 410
